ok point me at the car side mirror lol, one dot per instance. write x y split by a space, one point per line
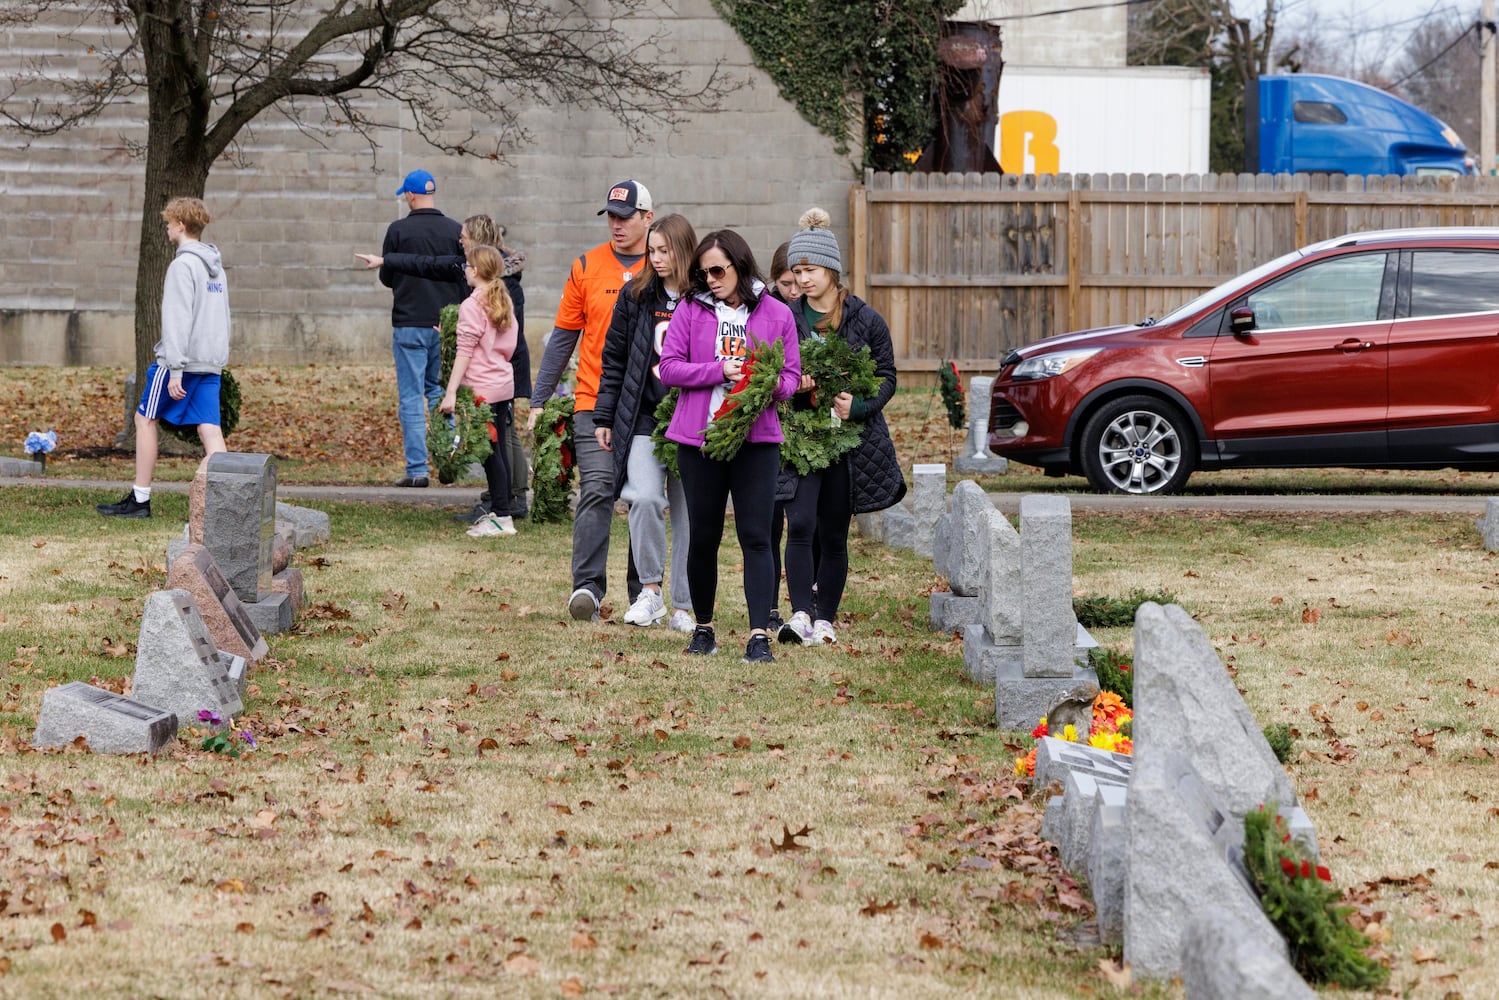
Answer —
1241 320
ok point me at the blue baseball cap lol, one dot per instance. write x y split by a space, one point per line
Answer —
417 182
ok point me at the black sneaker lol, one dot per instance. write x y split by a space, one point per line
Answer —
757 650
702 643
774 628
128 506
472 516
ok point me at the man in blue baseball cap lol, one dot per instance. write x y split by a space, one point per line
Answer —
417 303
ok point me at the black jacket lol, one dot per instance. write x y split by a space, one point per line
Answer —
629 354
875 477
444 267
417 301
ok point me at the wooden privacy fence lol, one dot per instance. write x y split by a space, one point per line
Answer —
966 267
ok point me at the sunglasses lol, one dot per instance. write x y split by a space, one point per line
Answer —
716 272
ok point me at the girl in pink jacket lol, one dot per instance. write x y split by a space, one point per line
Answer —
486 339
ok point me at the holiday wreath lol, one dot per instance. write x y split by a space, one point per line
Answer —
814 438
663 447
455 444
745 401
553 461
951 384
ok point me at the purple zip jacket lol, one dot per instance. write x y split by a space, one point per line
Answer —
688 361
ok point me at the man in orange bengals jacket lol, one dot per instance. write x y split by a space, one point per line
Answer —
585 310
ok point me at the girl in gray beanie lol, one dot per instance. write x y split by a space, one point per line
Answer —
821 504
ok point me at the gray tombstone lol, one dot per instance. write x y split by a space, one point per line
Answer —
976 456
1180 864
1489 524
1000 590
871 525
898 527
1070 825
1220 961
176 663
1108 857
1056 758
1046 584
110 722
1186 703
307 526
20 467
239 520
928 504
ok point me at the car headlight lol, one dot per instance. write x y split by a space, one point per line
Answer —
1052 365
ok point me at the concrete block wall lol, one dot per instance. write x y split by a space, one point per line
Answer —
291 215
1092 36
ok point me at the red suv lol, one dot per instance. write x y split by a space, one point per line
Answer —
1373 350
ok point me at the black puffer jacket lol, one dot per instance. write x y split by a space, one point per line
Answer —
875 478
629 353
443 267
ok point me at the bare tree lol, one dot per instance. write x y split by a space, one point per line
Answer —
1235 50
211 68
1439 70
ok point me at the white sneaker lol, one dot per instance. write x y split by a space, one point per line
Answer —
583 606
822 631
647 610
798 628
489 526
682 621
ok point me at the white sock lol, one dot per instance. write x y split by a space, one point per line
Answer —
142 493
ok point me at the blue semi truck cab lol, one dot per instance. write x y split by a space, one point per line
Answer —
1308 123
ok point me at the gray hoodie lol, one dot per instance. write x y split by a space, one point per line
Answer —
194 311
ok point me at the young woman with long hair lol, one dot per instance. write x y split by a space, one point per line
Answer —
487 334
728 315
624 416
821 504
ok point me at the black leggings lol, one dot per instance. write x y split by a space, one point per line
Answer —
497 465
820 511
751 480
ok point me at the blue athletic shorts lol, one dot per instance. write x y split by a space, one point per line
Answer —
199 406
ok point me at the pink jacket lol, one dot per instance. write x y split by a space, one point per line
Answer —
488 349
689 361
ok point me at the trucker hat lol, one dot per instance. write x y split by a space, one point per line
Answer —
626 198
417 182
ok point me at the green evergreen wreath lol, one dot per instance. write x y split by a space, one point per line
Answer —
447 332
811 438
749 398
229 398
1297 895
952 393
453 447
662 447
552 462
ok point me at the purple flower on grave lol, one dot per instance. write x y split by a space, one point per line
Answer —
248 737
209 716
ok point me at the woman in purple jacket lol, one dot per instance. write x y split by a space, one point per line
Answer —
710 335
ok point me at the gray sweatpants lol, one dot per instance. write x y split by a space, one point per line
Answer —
595 508
648 489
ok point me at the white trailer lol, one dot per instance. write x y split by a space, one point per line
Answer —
1134 119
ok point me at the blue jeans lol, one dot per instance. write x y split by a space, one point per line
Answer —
418 354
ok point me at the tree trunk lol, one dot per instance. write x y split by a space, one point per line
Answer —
176 166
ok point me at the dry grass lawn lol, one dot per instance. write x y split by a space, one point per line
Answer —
459 793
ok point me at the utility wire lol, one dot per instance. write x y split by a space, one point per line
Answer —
1069 10
1477 26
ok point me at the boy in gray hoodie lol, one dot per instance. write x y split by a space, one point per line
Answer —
182 387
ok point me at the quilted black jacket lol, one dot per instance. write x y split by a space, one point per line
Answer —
875 478
629 350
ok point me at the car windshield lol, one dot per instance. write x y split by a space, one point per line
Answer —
1229 289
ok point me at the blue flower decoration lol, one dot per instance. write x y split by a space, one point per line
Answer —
37 442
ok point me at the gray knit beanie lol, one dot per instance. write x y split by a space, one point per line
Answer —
815 243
